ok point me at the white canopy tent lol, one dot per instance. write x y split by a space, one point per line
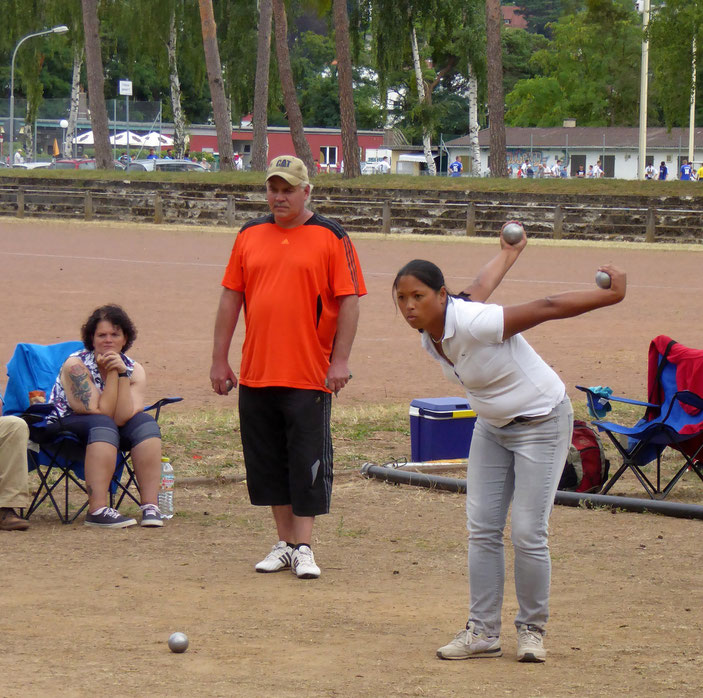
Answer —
121 139
155 139
85 139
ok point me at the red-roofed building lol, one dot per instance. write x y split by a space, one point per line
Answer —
513 17
325 143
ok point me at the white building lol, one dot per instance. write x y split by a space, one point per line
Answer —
617 148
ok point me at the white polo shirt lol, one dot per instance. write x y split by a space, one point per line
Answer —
503 379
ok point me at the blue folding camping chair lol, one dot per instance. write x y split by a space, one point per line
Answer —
673 417
57 456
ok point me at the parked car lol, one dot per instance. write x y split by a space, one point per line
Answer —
369 168
80 164
164 166
32 165
71 164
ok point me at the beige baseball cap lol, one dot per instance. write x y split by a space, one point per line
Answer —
290 168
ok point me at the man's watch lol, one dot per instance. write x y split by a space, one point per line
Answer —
124 374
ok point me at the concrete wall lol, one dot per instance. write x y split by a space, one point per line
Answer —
636 218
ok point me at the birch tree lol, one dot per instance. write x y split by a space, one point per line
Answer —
179 121
78 55
422 98
473 123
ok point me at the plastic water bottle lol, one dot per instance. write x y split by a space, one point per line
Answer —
166 489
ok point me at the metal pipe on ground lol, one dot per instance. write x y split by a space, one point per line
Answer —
573 499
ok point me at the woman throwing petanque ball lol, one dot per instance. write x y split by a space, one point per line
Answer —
520 440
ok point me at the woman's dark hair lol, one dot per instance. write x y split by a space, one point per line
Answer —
428 273
113 314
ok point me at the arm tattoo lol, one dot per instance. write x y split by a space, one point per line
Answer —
80 384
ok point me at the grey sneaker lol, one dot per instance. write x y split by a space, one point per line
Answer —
151 516
108 518
530 644
303 563
469 644
277 559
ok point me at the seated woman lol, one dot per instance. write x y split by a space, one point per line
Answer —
99 395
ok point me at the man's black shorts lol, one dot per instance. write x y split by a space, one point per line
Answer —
287 447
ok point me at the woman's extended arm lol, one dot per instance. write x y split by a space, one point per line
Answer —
492 273
517 318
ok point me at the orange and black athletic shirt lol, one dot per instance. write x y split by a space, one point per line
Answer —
291 279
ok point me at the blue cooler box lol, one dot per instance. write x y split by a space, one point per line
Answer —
440 428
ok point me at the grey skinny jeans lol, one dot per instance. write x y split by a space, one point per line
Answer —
521 462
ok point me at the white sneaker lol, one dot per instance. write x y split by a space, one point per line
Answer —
468 644
303 563
530 644
277 559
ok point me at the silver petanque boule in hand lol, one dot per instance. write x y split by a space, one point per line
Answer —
602 279
513 232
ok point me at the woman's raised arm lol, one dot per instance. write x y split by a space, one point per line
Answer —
492 273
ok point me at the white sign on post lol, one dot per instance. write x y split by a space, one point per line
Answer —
126 88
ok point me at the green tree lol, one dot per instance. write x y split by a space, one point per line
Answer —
590 71
518 48
541 13
675 28
451 37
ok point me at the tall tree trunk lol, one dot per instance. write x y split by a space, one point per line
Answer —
220 110
285 72
496 104
96 85
179 121
259 155
30 116
473 123
78 54
350 140
422 96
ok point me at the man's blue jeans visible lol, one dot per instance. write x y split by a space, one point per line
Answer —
521 462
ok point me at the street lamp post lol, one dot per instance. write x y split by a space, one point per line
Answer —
644 77
61 29
64 125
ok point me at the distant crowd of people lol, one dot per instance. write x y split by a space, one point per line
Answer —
687 171
558 169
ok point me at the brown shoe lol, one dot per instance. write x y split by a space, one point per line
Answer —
9 521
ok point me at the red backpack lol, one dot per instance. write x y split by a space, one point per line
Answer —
586 468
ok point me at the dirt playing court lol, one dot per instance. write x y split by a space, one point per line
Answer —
84 611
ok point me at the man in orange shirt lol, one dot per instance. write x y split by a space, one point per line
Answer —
297 275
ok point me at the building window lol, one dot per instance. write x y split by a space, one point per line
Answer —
328 155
